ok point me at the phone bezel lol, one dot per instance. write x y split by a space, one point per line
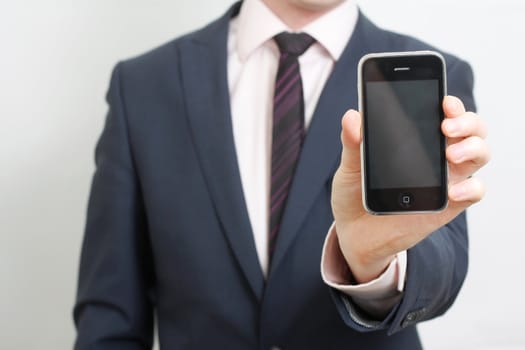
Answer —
422 65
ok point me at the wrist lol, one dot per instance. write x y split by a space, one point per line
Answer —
366 270
365 258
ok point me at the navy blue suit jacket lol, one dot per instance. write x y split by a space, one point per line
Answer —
168 235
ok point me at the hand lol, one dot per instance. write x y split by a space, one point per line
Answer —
370 242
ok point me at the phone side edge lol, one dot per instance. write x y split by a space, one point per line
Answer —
361 105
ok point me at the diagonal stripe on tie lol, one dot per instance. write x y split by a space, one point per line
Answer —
288 125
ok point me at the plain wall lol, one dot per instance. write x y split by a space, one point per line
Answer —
55 62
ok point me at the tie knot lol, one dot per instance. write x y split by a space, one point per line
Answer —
293 43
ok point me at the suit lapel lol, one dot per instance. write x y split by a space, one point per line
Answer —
321 151
203 68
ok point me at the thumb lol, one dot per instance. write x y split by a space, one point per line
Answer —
351 140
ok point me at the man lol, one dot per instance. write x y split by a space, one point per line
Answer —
187 220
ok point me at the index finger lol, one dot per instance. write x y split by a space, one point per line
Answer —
469 124
453 106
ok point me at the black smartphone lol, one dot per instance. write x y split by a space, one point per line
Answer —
404 168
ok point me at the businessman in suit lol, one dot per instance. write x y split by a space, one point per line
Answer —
210 216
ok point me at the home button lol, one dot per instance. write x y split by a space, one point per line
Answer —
405 200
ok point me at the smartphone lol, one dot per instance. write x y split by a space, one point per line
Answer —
403 163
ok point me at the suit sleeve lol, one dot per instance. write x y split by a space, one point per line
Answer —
113 309
436 267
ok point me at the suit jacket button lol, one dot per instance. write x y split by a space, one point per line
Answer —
413 317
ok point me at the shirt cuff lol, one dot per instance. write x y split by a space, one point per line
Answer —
377 296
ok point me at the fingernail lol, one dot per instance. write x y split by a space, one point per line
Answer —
353 115
451 127
452 104
458 192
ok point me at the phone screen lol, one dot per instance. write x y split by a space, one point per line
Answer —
403 133
403 146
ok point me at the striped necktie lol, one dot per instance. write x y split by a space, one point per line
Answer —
288 125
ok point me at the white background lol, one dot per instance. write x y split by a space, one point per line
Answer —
55 62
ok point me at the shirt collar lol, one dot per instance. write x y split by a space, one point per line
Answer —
258 24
